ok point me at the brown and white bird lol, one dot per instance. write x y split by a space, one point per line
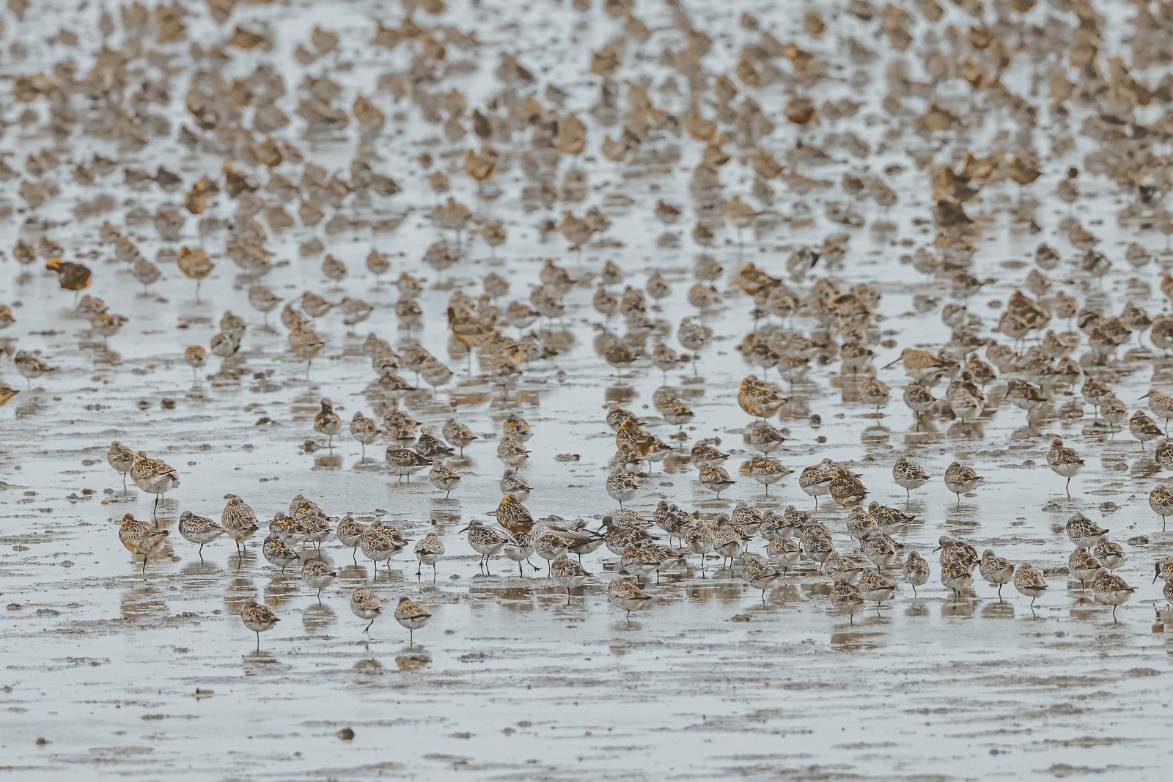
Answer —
625 593
258 618
140 538
1064 461
961 479
412 616
365 604
327 422
1029 581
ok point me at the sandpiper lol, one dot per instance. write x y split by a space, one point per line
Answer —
915 571
1083 565
154 476
909 475
846 596
318 575
997 571
140 538
238 520
1083 531
258 618
569 574
1064 461
404 461
625 593
412 616
365 604
428 550
815 481
119 457
365 430
1111 590
349 533
1161 501
1029 581
961 479
198 529
486 542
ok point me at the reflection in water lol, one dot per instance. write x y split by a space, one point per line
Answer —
260 663
354 575
559 340
412 661
848 638
875 435
619 394
282 587
518 606
239 593
818 588
106 358
1143 468
445 512
199 574
316 616
327 461
782 595
1087 612
166 513
959 608
722 592
964 514
509 592
996 610
391 578
143 604
1025 434
244 560
310 552
964 430
368 667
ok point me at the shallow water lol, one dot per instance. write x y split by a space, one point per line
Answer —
122 673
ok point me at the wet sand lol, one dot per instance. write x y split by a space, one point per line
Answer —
109 672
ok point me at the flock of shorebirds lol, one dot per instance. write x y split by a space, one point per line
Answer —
858 576
811 311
